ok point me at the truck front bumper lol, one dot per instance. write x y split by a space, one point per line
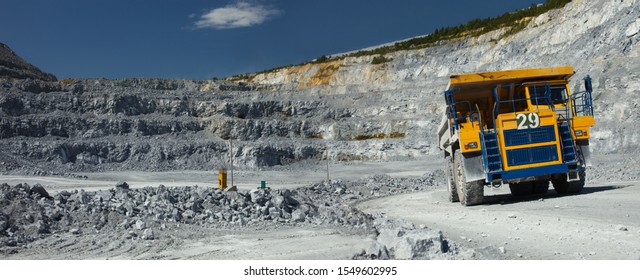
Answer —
513 175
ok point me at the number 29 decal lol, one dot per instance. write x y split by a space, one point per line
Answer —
530 120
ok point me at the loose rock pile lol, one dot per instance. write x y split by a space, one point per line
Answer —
30 212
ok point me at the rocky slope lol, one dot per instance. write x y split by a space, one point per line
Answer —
144 124
598 38
348 109
13 66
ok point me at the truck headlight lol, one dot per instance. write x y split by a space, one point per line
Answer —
579 132
472 145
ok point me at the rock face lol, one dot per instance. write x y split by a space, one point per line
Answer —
598 38
97 125
13 66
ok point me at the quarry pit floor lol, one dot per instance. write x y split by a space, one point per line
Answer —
603 222
275 178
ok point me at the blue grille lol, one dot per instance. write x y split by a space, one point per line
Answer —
541 134
532 155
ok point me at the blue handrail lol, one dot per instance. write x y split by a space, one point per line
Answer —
546 96
582 101
452 104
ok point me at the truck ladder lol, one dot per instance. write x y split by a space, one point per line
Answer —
493 161
568 146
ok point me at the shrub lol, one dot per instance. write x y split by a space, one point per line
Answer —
515 20
380 59
321 59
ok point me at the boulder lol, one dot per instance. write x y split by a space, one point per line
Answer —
188 214
633 28
274 213
140 225
40 191
104 195
412 243
258 197
298 216
4 223
278 201
80 197
122 185
148 234
43 227
292 202
377 251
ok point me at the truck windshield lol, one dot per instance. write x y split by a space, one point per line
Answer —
539 95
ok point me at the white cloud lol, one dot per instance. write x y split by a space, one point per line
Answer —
241 14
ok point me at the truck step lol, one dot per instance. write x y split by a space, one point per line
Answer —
568 145
493 159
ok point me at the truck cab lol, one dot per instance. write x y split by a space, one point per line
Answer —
519 127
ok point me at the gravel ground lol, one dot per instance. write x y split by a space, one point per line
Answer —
34 221
601 223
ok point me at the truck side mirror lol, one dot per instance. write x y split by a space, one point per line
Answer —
587 84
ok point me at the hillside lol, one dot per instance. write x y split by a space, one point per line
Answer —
598 38
13 66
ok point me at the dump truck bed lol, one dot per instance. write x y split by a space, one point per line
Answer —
486 80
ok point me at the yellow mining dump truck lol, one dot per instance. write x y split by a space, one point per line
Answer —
521 127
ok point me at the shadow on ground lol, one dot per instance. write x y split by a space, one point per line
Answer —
551 194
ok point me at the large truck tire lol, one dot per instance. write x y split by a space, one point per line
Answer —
561 185
527 188
521 189
540 187
471 193
452 190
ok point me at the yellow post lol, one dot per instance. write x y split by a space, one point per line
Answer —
222 178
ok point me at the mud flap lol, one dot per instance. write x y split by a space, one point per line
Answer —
573 175
586 154
473 168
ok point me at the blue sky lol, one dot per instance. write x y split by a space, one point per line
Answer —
201 39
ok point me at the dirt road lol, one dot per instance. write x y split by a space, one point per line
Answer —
601 223
196 243
243 179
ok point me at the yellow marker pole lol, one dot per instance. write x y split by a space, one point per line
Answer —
222 178
231 158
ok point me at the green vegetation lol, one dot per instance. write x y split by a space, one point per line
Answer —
242 76
379 136
515 29
380 59
321 59
515 21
